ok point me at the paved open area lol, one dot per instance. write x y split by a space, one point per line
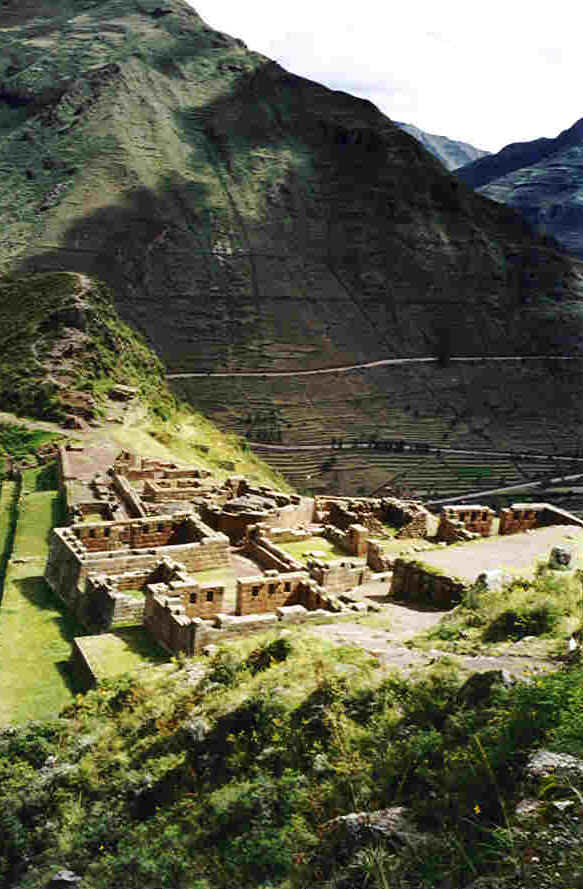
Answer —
515 554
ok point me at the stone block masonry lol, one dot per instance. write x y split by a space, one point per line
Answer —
263 593
455 520
524 516
415 582
112 548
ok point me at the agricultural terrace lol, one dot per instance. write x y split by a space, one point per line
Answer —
478 407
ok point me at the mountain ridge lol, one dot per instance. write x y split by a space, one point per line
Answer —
451 152
540 179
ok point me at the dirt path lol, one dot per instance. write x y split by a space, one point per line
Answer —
405 622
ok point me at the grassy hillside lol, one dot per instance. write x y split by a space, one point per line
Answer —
59 332
233 779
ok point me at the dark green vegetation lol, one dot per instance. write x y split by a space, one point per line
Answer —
59 334
248 218
548 606
541 179
222 783
18 441
451 153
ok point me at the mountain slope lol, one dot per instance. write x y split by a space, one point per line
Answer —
246 218
242 215
542 179
450 152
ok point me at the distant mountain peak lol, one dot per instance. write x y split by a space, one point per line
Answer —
542 179
450 152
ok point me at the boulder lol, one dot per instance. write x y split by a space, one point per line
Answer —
477 689
391 827
544 763
560 558
64 879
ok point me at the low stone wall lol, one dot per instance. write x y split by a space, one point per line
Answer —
285 535
264 552
376 559
203 600
339 576
415 582
81 668
354 541
130 498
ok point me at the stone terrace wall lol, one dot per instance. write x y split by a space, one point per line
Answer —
81 667
418 583
263 593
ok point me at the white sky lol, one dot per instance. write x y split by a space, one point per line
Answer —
498 72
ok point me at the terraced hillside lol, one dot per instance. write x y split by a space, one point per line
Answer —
484 408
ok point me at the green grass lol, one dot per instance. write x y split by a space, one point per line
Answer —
35 634
35 639
302 548
546 608
124 651
35 313
20 440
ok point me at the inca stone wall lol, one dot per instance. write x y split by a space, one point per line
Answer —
418 583
263 593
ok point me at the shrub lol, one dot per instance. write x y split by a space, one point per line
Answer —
530 620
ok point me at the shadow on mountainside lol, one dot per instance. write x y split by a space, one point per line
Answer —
312 228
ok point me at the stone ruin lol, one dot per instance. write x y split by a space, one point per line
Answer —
410 517
154 542
458 523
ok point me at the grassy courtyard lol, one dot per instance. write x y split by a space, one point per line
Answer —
303 548
124 651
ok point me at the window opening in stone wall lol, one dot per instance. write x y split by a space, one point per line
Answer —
272 588
255 591
210 594
287 586
193 598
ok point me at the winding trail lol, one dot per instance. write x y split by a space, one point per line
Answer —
383 362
